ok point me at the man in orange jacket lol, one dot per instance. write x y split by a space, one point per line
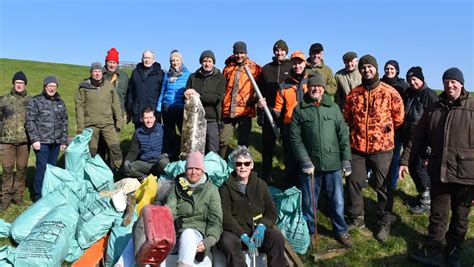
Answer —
238 105
373 110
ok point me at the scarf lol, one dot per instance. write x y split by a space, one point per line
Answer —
173 74
371 83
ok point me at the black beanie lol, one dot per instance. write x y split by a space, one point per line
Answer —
240 47
368 59
417 72
19 76
207 53
454 74
394 63
280 44
50 79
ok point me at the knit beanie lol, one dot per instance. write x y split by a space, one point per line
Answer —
417 72
454 74
316 79
112 55
240 47
176 53
207 53
280 44
368 59
96 65
316 47
349 56
19 76
50 79
195 160
394 63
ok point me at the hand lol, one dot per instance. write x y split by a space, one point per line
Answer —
307 167
63 147
250 245
200 247
403 171
189 92
258 235
346 168
262 103
36 145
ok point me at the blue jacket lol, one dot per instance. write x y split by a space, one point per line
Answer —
172 93
146 146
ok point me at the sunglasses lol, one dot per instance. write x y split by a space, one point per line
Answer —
247 163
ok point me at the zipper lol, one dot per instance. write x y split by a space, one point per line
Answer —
367 124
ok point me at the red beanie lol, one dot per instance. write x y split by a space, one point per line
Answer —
112 55
195 160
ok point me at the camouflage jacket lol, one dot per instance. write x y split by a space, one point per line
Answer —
12 117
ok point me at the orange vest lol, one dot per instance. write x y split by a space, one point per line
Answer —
288 98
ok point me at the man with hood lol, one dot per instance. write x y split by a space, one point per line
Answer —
98 108
316 64
14 142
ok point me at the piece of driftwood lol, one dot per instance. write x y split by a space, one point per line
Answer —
332 253
291 257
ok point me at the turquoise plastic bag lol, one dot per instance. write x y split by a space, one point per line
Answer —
77 153
55 176
118 240
7 256
99 174
291 221
4 228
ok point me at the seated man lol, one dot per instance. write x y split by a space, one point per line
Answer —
249 215
146 150
195 204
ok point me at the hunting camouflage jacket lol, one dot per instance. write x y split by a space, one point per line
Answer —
12 117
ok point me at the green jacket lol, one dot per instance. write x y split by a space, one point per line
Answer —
326 71
320 134
120 83
12 117
201 211
98 106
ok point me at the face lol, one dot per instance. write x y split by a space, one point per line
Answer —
51 89
368 71
148 59
246 166
390 71
148 119
316 92
207 63
175 63
193 175
96 74
452 88
298 65
415 83
19 86
351 64
316 57
240 57
111 65
280 54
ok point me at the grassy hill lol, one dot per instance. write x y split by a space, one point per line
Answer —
407 233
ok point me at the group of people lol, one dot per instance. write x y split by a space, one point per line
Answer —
350 124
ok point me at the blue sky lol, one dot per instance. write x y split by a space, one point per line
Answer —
433 34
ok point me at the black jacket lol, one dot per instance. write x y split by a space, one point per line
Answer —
211 88
273 74
46 119
143 90
239 209
396 82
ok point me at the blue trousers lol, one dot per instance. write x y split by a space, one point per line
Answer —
395 163
331 183
48 154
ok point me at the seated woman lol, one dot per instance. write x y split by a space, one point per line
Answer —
249 215
195 204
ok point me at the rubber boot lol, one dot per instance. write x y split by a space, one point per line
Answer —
424 203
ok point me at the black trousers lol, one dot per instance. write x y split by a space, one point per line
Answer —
379 164
419 173
443 198
273 245
269 142
292 171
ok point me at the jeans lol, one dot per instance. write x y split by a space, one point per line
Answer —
48 154
395 163
331 183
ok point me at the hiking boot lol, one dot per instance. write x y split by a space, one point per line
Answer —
420 209
452 256
427 256
384 231
356 223
345 240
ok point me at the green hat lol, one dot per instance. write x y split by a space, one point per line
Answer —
317 79
368 59
349 56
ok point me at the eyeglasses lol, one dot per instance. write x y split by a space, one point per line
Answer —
239 163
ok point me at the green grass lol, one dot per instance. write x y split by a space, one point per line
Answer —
407 233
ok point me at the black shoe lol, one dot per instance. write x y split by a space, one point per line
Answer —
452 256
356 223
420 209
427 256
384 231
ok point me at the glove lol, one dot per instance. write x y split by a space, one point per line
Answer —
346 168
307 166
250 245
258 234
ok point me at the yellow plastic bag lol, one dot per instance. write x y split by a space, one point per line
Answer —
146 193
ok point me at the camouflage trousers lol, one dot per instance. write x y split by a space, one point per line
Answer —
13 186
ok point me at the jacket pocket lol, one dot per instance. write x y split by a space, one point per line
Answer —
465 164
